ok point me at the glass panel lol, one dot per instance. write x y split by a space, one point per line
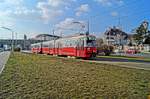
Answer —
91 41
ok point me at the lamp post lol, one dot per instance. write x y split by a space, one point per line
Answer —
12 43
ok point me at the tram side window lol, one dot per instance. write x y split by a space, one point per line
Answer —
64 43
57 45
45 45
81 43
39 46
50 45
67 43
78 43
60 45
35 46
71 43
74 43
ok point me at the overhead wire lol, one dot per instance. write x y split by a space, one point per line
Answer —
128 15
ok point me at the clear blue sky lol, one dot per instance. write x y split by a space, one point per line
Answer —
32 17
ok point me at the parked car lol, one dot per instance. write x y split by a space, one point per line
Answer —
132 51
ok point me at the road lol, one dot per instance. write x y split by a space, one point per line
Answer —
146 55
136 64
3 59
120 60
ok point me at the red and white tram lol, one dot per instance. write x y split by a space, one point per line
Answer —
83 46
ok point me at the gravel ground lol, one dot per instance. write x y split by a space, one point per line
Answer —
3 59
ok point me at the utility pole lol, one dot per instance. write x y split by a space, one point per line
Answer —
16 40
12 42
119 21
54 39
88 27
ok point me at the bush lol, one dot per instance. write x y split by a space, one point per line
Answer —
17 49
106 49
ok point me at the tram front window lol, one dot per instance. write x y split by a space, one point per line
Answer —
91 43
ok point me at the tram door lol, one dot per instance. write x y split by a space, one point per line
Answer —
80 48
58 47
41 48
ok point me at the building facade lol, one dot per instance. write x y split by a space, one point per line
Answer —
25 44
115 36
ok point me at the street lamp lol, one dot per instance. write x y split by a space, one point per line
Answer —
12 43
